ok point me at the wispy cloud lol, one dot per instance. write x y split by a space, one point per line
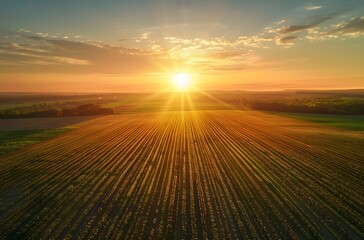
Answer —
280 33
287 40
354 26
221 55
302 27
255 41
351 28
224 53
28 50
313 7
40 51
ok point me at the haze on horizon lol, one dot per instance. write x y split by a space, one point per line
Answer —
138 45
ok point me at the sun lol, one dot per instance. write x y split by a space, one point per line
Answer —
181 82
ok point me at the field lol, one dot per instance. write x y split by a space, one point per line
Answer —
19 133
13 140
350 122
187 174
43 123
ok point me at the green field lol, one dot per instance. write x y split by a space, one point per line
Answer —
349 122
13 140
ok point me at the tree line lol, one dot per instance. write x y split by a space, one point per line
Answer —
320 106
82 110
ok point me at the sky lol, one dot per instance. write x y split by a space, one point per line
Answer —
139 45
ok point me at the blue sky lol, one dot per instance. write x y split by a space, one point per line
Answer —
110 20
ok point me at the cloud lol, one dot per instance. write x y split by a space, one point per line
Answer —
35 38
354 26
229 68
319 20
44 52
276 34
313 7
255 41
25 55
145 35
210 42
25 30
32 52
221 42
296 28
287 40
221 55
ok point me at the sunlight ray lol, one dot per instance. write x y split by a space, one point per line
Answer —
229 106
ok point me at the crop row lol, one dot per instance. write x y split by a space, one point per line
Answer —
193 174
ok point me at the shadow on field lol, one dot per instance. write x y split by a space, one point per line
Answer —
42 123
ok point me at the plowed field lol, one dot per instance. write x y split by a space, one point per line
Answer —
193 174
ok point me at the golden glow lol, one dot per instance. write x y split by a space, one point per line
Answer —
181 82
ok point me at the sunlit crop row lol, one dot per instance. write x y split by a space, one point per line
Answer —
222 174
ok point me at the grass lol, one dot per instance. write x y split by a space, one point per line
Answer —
13 140
349 122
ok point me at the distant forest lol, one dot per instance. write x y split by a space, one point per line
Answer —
322 106
82 110
20 105
349 102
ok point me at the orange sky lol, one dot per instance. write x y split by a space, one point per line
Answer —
230 45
